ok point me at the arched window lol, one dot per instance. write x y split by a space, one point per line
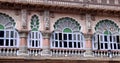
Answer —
34 36
67 34
8 35
106 36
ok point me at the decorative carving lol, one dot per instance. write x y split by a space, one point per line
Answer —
106 25
88 22
17 12
6 21
52 15
67 22
82 17
47 19
34 23
24 18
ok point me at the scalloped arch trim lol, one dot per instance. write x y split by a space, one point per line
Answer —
1 27
71 21
10 18
105 21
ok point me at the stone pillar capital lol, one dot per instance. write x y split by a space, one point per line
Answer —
88 36
23 33
46 34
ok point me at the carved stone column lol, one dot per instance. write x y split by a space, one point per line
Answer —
46 44
88 45
23 34
24 18
47 20
23 43
46 34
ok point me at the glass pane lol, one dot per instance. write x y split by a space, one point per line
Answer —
74 36
56 44
78 44
56 37
1 33
115 46
106 46
53 44
1 42
111 46
11 42
105 38
7 42
60 43
110 38
65 36
98 42
36 43
65 44
114 38
12 34
33 35
15 42
37 33
78 37
60 36
74 44
118 46
117 37
32 43
70 36
70 44
101 37
7 34
101 45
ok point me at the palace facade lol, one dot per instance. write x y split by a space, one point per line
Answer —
60 31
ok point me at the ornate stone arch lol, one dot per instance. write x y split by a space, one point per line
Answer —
106 24
67 34
8 34
34 23
67 22
106 36
6 21
34 36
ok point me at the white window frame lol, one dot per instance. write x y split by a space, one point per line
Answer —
53 41
15 38
114 41
34 36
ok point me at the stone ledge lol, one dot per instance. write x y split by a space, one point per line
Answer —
59 58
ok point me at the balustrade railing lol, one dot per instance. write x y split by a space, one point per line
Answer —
67 53
34 52
101 53
8 51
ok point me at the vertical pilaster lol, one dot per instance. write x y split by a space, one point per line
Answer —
23 34
88 45
23 43
46 35
88 23
88 36
47 20
24 18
